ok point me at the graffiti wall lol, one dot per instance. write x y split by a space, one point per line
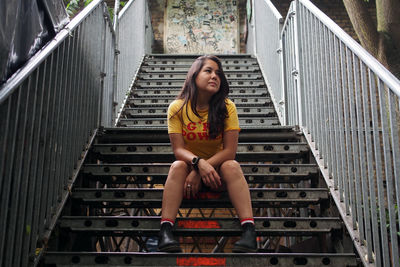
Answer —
201 27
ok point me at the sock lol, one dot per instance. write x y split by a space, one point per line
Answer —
246 220
167 221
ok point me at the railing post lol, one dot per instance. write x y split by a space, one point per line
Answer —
284 83
296 72
116 53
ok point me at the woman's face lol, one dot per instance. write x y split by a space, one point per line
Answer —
208 80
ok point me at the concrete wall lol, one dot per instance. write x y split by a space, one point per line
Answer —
158 8
333 8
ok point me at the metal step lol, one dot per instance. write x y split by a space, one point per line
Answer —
150 225
234 93
182 76
159 135
151 198
164 102
184 68
189 61
162 152
198 259
174 83
243 121
154 112
156 173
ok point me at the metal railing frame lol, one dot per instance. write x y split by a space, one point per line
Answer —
347 105
268 20
51 109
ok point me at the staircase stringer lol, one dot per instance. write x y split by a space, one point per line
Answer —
64 199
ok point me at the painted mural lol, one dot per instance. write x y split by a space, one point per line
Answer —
201 27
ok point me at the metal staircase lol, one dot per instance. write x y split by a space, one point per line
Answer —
112 215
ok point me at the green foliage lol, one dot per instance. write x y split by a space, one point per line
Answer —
74 6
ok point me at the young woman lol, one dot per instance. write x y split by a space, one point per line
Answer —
203 127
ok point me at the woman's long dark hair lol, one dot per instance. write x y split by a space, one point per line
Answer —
217 111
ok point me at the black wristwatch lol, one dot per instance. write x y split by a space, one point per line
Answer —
195 163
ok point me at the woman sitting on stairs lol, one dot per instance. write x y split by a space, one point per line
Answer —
203 127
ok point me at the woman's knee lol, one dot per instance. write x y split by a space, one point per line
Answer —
178 169
230 167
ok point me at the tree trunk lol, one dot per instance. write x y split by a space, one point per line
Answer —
383 40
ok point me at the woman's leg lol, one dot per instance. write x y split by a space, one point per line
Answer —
239 194
173 189
237 187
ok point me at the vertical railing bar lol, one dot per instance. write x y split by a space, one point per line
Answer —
306 74
317 90
3 175
356 136
61 127
326 115
357 213
314 130
94 88
333 113
342 186
103 73
388 173
77 143
295 118
363 158
31 186
70 157
320 94
54 142
86 84
344 142
372 193
330 132
349 132
284 81
298 77
82 137
6 192
36 230
24 148
395 148
378 168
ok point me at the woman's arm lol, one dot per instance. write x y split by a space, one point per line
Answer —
178 147
230 143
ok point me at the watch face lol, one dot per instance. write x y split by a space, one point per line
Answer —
195 160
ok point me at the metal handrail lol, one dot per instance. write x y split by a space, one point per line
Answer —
50 110
347 105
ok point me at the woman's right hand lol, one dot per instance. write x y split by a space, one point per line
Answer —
209 175
192 185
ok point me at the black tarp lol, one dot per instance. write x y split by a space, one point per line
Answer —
25 27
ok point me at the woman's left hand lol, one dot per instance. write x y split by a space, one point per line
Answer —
209 175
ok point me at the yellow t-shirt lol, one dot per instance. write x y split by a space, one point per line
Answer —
195 132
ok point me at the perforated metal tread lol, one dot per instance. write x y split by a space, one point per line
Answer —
150 225
205 259
152 197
